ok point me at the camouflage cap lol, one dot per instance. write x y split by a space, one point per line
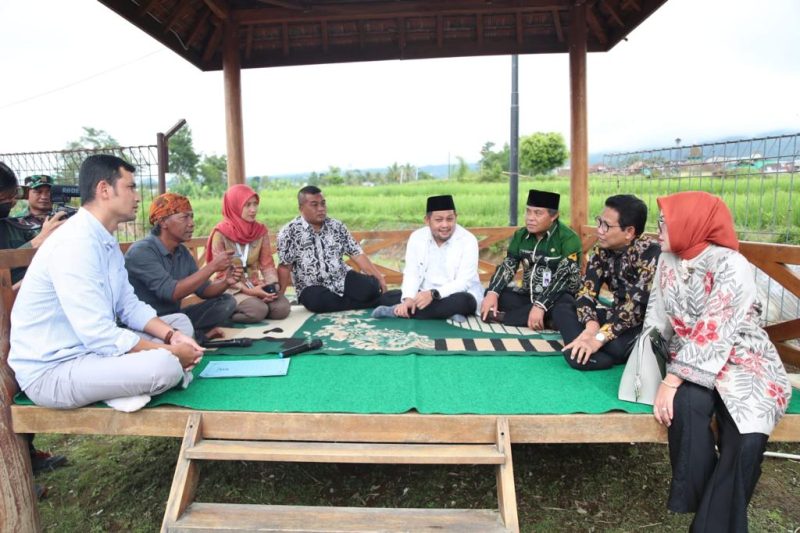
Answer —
38 180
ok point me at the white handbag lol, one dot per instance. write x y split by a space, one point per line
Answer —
645 369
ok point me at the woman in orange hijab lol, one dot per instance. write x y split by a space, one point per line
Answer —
722 363
258 295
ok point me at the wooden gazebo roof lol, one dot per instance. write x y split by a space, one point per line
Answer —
300 32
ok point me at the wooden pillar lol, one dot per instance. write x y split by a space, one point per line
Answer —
18 510
579 144
231 71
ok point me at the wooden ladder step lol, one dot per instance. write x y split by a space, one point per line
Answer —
345 452
241 517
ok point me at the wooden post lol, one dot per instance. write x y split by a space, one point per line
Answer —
579 145
231 70
18 510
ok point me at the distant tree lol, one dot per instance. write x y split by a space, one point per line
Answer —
462 172
540 153
213 171
257 182
393 173
493 164
333 176
183 160
93 139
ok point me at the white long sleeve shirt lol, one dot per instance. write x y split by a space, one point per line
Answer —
73 293
449 268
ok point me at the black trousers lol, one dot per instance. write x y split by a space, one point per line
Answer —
717 489
460 303
565 319
360 292
210 313
517 307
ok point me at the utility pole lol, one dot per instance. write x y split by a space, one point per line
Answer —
513 160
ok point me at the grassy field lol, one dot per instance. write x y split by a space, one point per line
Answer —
486 204
122 483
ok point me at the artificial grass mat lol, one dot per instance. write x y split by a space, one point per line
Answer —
383 371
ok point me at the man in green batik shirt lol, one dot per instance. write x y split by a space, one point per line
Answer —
549 253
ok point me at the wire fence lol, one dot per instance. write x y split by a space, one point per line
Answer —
756 178
63 167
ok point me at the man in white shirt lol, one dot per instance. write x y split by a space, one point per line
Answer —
67 347
440 279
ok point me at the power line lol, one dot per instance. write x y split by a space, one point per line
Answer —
78 82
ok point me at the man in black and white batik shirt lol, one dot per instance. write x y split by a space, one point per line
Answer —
312 247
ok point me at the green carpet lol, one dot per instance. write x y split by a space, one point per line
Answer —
391 366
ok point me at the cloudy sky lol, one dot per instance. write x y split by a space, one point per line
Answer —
696 69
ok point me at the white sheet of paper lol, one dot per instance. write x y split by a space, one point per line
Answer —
248 368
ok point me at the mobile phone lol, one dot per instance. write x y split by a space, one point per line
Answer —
271 289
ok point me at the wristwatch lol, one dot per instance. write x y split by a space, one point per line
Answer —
435 294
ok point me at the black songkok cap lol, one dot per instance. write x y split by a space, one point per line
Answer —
548 200
440 203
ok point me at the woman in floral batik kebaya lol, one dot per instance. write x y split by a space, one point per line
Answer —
703 301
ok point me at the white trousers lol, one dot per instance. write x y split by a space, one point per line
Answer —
92 378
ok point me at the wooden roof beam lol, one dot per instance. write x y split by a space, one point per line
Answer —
177 13
213 43
388 10
198 28
144 7
611 13
597 28
248 47
286 4
219 8
401 33
557 24
632 4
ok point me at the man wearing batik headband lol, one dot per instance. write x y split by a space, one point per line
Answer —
163 272
549 252
440 279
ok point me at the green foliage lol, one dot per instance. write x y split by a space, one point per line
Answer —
93 139
493 164
540 153
183 160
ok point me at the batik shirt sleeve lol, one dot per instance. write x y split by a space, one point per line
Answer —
505 272
635 279
593 279
566 274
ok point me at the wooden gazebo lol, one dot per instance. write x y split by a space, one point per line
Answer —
235 34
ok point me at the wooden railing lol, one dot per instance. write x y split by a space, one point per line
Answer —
772 259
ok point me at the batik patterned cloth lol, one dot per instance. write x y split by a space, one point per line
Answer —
550 265
707 308
316 257
628 274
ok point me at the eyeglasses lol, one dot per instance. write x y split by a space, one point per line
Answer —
604 226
